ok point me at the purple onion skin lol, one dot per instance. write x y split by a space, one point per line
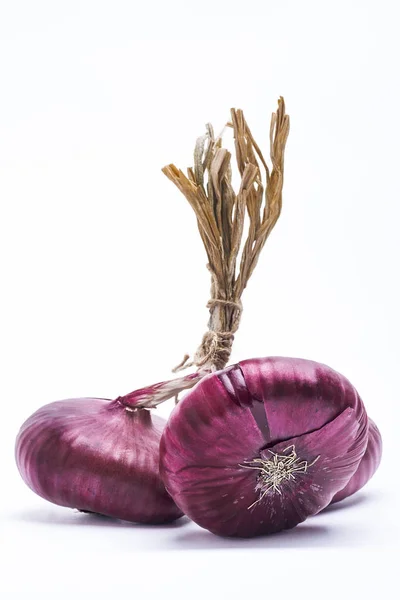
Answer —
367 467
94 455
248 412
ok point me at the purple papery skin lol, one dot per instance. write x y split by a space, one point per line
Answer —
247 412
94 455
367 467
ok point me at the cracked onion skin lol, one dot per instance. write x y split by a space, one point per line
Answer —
253 411
94 455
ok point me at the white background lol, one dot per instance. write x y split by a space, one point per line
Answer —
103 274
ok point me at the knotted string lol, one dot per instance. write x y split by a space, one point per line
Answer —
216 346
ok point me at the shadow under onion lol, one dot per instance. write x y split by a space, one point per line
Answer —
84 519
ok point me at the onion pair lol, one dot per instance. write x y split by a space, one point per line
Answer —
253 448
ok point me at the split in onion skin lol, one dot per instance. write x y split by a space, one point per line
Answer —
368 464
296 412
95 455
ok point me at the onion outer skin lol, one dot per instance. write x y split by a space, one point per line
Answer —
247 412
94 455
367 467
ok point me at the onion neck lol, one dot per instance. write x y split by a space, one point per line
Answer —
153 395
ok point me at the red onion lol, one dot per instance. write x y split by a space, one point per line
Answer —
95 455
260 446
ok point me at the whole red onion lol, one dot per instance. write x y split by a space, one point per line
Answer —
96 455
260 446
